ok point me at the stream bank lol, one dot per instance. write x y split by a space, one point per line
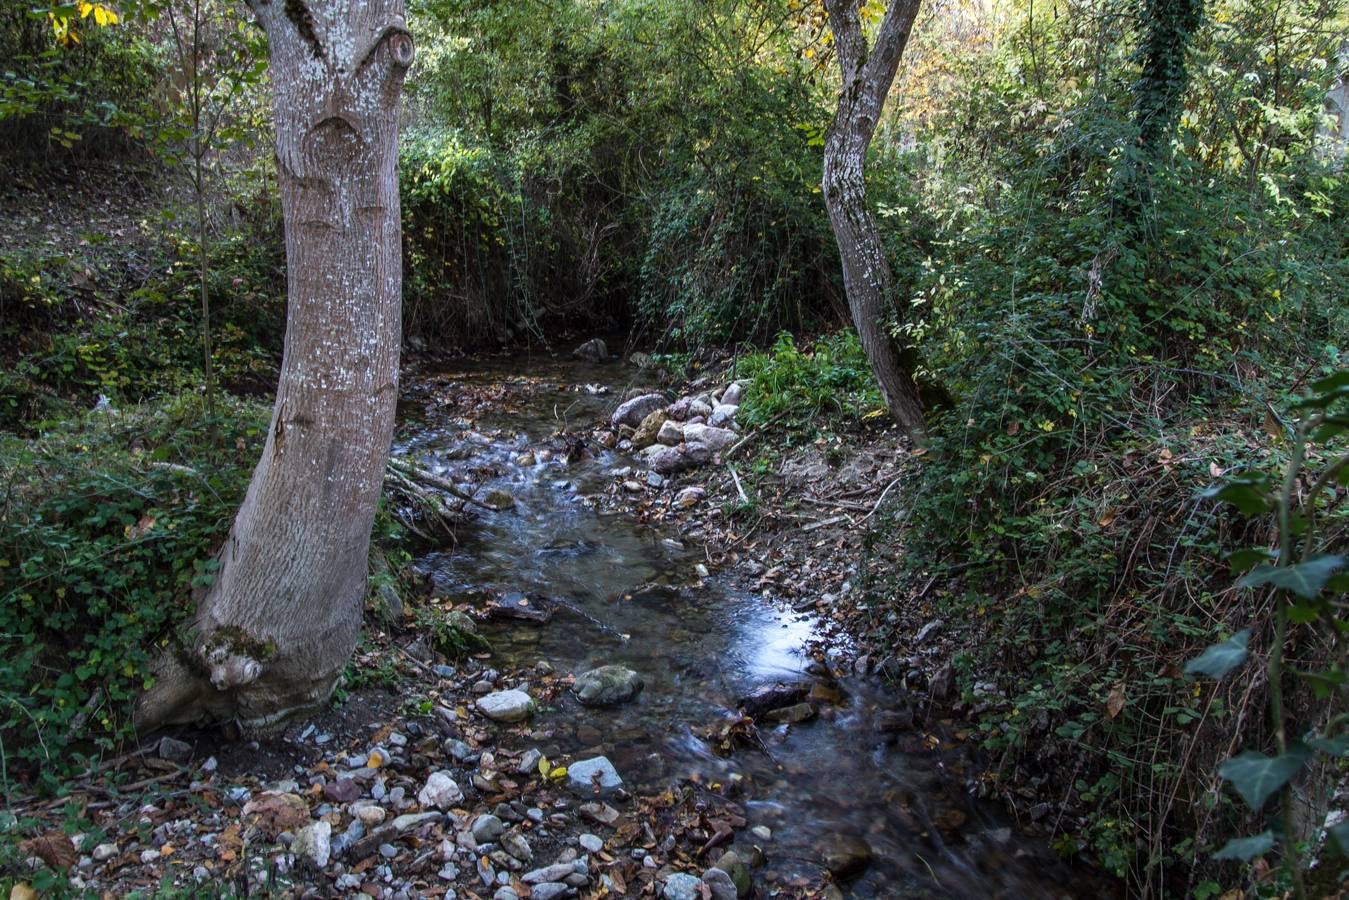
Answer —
478 777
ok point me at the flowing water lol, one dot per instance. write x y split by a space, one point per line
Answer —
627 593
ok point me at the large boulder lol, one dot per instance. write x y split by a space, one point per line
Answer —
646 433
712 437
593 350
607 685
632 412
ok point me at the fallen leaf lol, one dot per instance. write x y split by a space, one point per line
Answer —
1114 704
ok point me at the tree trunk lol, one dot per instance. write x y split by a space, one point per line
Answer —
867 279
279 623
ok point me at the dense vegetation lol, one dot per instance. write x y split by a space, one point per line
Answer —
1118 232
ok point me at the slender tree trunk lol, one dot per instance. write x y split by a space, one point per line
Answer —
204 264
867 280
281 619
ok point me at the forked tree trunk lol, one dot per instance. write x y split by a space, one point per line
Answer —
281 619
867 280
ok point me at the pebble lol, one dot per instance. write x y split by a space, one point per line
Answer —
149 856
529 763
104 852
762 832
720 884
549 890
594 776
487 828
592 843
440 792
506 706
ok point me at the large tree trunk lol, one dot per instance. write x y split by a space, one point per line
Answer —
867 279
282 617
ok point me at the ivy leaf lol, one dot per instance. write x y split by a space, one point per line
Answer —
1246 849
1244 560
1304 579
1335 746
1219 659
1256 776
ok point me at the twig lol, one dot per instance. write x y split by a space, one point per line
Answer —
880 499
738 488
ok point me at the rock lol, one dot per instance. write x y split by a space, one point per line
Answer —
555 872
104 852
679 410
593 350
715 438
798 712
591 843
720 884
487 828
461 752
594 776
762 832
646 433
550 890
505 893
682 886
738 871
342 790
733 394
607 685
943 683
277 812
514 843
632 412
671 433
371 815
506 706
699 409
722 414
314 843
639 359
601 813
926 631
441 792
845 854
689 497
499 500
174 750
529 763
673 460
890 721
772 696
412 820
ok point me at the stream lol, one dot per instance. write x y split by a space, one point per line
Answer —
629 593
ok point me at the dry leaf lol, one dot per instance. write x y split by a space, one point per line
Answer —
53 848
1114 704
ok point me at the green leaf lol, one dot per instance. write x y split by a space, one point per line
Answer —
1304 579
1323 684
1219 659
1245 560
1336 746
1246 849
1331 382
1256 776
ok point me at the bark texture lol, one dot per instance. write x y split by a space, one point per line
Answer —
279 623
867 279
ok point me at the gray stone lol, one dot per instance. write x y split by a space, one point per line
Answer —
720 884
505 893
550 890
845 854
673 460
555 872
529 763
715 438
487 828
722 414
799 712
593 350
671 433
594 776
592 843
514 843
689 497
441 792
412 820
104 852
734 394
459 750
174 750
737 870
682 886
607 685
314 843
699 408
506 706
632 412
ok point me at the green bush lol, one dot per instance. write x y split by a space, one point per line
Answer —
803 388
110 523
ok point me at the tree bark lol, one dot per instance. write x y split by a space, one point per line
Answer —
280 621
867 279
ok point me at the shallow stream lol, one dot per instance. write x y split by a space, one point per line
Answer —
628 593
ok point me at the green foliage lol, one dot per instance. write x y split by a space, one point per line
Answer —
803 388
98 563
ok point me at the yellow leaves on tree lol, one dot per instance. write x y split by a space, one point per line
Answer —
65 19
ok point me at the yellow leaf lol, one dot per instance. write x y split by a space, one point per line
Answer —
558 774
85 8
104 16
544 766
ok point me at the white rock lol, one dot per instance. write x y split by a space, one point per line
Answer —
671 433
594 776
714 438
314 842
506 706
440 792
